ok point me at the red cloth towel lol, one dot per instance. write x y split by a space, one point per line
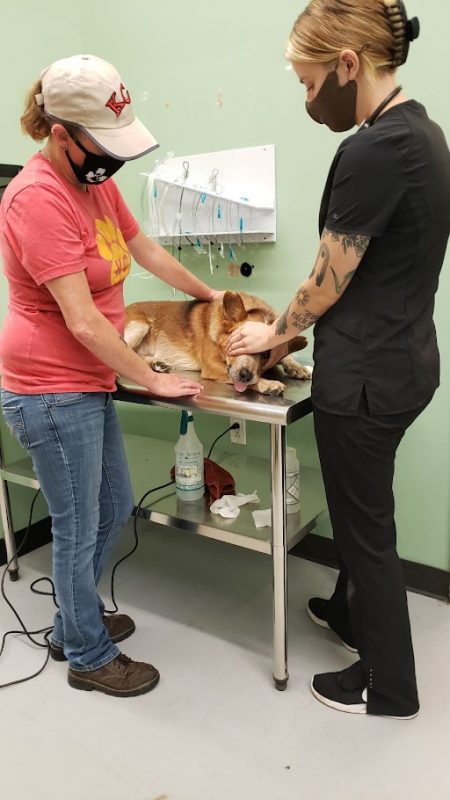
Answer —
217 480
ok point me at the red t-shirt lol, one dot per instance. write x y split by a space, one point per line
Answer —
49 228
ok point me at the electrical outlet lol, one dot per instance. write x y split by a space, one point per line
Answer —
237 435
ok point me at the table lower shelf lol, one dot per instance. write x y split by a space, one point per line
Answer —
249 473
20 472
150 461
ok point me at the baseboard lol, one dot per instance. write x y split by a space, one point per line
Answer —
418 577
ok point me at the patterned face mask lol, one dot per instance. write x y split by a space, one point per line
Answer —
95 169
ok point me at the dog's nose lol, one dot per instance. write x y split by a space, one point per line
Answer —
245 375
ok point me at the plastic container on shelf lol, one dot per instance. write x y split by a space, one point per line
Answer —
292 481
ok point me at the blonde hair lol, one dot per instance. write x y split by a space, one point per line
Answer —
33 121
374 29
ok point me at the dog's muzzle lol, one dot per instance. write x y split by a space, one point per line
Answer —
242 376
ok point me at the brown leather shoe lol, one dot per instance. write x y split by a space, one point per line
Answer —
122 677
119 627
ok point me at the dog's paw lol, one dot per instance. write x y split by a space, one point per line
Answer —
296 371
272 388
160 366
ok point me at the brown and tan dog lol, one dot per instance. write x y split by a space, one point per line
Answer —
192 335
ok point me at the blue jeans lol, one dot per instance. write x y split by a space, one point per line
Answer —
76 446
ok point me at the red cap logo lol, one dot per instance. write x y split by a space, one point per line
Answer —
118 105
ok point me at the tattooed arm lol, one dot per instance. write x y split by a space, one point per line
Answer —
337 261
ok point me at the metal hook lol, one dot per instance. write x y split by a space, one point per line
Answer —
213 179
186 166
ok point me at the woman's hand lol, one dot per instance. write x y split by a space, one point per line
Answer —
276 354
251 337
173 385
216 295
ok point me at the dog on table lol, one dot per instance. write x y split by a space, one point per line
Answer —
192 335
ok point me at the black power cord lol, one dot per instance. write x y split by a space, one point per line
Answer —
232 427
137 514
24 631
47 631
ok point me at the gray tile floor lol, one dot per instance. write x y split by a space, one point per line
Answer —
215 728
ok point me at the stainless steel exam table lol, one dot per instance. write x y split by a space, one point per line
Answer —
286 530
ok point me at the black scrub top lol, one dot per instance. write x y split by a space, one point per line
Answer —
390 182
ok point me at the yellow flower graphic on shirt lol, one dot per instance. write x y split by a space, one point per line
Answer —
112 247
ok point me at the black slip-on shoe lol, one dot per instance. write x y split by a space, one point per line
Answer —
338 690
119 627
317 610
345 691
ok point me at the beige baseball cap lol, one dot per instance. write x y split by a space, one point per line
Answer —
89 92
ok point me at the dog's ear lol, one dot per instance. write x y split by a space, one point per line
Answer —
294 345
233 307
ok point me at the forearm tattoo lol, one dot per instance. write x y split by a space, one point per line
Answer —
340 286
302 297
322 262
303 319
349 241
300 319
281 326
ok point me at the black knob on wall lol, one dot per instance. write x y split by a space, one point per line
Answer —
246 269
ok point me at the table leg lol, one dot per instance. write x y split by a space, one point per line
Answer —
8 531
279 554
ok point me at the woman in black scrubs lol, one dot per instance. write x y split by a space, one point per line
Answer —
384 225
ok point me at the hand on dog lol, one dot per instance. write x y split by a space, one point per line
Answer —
172 385
251 337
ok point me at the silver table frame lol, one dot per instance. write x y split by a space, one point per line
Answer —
20 472
278 412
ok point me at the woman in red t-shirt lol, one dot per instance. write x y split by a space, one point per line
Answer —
67 242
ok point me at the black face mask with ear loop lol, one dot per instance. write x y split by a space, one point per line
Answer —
95 169
334 105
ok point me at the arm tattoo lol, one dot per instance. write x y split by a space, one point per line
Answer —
324 256
347 278
281 326
299 319
303 319
350 240
333 234
302 297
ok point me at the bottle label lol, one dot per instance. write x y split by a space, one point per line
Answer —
292 488
189 473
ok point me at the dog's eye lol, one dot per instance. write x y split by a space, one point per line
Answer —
265 355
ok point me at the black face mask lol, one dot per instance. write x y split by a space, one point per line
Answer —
334 105
95 169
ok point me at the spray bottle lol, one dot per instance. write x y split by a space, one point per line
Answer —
189 474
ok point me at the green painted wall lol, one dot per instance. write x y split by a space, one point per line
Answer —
177 57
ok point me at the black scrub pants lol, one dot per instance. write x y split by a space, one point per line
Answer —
357 455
